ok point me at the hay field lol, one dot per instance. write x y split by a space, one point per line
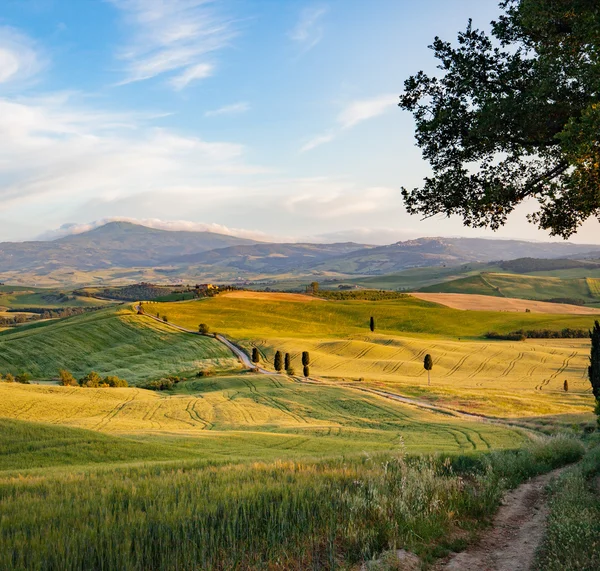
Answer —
231 416
476 302
501 378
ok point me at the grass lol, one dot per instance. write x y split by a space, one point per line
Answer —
226 414
285 515
110 341
500 378
572 536
521 286
19 297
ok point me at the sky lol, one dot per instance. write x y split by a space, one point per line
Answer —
271 119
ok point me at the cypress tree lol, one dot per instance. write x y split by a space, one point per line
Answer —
305 358
566 386
594 368
428 365
255 355
372 324
287 362
306 371
278 362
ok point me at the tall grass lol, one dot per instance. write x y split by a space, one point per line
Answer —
284 515
572 541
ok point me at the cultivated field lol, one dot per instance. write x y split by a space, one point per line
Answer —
476 302
501 378
111 341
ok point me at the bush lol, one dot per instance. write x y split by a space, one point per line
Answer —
290 371
113 381
23 378
208 372
66 379
94 380
9 378
203 329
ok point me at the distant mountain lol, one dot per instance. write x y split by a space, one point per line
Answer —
126 245
270 258
116 244
445 251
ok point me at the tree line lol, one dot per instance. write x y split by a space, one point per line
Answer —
91 380
522 334
41 314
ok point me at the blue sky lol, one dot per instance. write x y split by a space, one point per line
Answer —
265 118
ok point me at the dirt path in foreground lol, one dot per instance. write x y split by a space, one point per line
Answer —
518 528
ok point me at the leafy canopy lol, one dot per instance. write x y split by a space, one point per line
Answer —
514 115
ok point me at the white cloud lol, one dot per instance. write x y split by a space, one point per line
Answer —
53 149
309 30
233 109
364 109
175 37
19 59
72 229
317 141
354 113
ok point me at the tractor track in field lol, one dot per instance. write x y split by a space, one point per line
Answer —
245 360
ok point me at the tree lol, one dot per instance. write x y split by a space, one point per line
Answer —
66 379
372 324
287 361
513 116
566 386
203 329
165 319
305 358
594 368
306 370
112 381
92 379
255 355
314 287
23 378
290 371
278 362
428 365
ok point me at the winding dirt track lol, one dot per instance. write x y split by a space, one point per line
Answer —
475 302
518 528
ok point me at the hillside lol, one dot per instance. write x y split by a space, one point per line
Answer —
110 342
130 252
116 244
522 286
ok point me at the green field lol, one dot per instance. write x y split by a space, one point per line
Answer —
18 297
538 287
109 341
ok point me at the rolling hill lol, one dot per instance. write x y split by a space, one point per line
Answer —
112 251
110 342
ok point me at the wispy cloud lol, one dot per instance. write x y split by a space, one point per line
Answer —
358 111
233 109
72 229
19 59
352 114
173 37
309 30
317 141
55 148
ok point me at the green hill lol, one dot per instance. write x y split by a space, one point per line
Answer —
109 341
521 286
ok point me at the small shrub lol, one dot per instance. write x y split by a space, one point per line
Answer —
66 379
203 329
290 371
23 378
208 372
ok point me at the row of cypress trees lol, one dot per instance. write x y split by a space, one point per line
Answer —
284 362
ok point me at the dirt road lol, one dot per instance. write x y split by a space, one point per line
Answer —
518 528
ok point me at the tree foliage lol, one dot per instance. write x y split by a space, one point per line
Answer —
287 361
513 116
305 358
278 362
306 371
255 355
372 324
594 368
203 329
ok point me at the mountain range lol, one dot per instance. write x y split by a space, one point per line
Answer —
127 245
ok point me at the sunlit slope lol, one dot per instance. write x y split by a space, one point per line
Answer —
310 417
521 286
501 378
109 341
262 318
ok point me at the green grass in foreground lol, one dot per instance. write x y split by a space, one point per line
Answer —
572 541
110 341
284 515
